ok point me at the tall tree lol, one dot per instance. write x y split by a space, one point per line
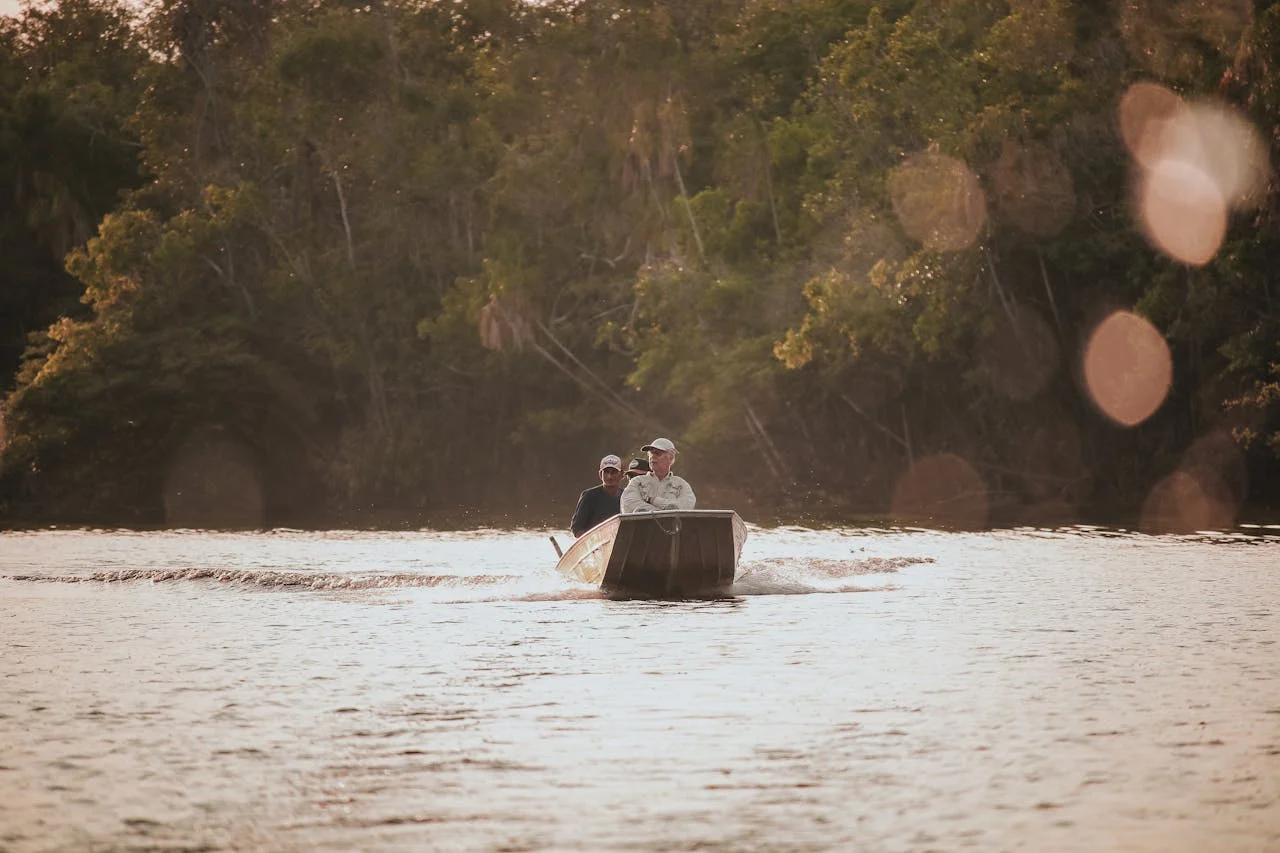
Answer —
68 86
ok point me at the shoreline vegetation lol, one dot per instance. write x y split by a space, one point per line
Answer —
822 514
972 263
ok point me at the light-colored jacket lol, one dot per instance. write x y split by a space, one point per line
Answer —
647 493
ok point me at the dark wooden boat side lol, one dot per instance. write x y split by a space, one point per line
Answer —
664 554
675 554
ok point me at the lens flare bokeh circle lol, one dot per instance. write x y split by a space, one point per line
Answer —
1127 368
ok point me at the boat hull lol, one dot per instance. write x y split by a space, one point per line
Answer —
664 554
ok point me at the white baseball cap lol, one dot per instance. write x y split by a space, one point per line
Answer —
660 444
611 461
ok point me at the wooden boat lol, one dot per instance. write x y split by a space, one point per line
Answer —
665 554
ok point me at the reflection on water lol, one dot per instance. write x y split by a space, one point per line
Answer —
1066 690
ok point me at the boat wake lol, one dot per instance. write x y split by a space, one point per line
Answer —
785 576
768 576
276 579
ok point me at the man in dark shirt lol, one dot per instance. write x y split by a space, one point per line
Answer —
600 502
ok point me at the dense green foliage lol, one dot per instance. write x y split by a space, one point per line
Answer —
417 256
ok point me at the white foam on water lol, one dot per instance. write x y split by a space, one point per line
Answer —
782 576
272 579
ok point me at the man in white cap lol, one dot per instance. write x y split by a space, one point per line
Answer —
659 489
599 502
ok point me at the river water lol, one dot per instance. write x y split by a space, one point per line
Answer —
1079 689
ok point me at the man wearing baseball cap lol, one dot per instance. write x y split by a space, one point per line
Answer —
659 489
599 502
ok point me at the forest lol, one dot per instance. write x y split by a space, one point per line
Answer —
423 262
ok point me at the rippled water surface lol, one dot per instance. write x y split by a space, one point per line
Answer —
873 690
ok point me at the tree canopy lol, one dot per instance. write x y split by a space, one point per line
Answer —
972 261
